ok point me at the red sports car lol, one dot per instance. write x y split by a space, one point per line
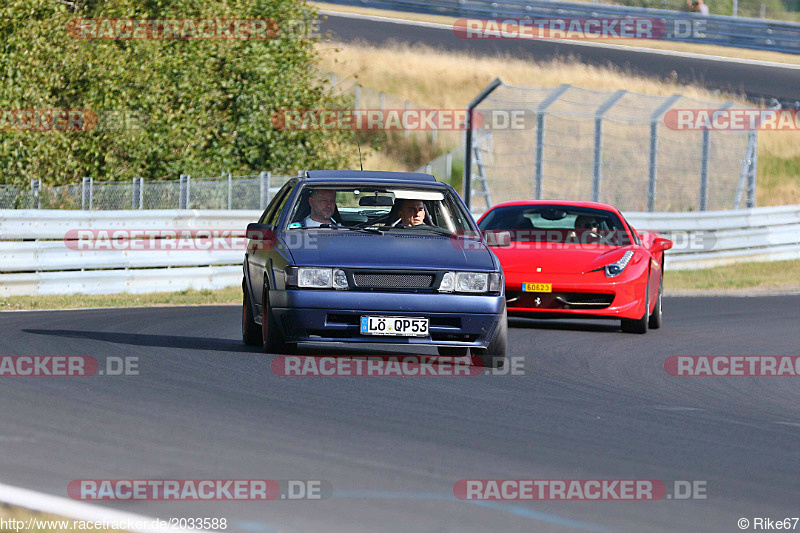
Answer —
570 259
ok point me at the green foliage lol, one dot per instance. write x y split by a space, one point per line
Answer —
163 107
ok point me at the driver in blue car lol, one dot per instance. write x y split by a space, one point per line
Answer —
323 205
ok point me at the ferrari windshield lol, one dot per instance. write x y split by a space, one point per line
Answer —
557 224
371 208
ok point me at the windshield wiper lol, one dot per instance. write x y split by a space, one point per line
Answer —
354 228
434 229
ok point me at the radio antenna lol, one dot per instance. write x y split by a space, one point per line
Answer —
360 162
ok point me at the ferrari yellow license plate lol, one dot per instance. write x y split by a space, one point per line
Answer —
537 287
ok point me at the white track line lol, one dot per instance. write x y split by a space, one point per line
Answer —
635 49
76 510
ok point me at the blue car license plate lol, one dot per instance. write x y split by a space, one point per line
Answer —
398 326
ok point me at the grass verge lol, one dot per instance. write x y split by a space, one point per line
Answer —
761 277
229 295
776 276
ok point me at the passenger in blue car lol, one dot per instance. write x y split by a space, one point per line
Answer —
323 205
411 212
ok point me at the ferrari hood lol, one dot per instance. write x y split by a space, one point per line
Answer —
556 258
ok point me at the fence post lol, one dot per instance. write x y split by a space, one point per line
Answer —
86 193
467 185
263 189
448 166
36 188
753 171
653 161
230 190
704 163
540 110
598 142
137 196
183 194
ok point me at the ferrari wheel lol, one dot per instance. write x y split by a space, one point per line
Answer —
250 330
494 356
657 318
633 325
271 337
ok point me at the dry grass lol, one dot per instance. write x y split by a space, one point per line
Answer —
434 78
706 49
761 277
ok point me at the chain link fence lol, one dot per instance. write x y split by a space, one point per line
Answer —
221 192
612 147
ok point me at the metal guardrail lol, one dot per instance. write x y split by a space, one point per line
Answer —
35 258
739 32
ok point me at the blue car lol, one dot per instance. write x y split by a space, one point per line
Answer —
372 257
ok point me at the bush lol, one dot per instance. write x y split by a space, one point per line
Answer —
162 107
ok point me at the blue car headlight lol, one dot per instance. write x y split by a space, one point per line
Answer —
316 278
471 282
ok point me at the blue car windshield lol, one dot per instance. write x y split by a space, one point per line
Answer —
376 208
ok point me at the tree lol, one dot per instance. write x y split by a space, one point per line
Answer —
157 107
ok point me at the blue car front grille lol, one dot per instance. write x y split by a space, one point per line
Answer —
393 281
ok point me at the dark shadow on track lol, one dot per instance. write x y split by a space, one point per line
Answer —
558 324
156 341
227 345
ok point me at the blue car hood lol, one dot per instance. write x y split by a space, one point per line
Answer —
391 250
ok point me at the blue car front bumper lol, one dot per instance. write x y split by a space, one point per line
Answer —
335 316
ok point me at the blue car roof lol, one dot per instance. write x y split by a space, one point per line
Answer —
368 175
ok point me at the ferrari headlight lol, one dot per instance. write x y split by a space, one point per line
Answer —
616 268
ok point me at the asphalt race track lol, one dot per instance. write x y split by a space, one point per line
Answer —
594 403
753 80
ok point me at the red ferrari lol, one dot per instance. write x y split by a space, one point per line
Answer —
571 259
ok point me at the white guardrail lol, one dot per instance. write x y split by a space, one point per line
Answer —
37 257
